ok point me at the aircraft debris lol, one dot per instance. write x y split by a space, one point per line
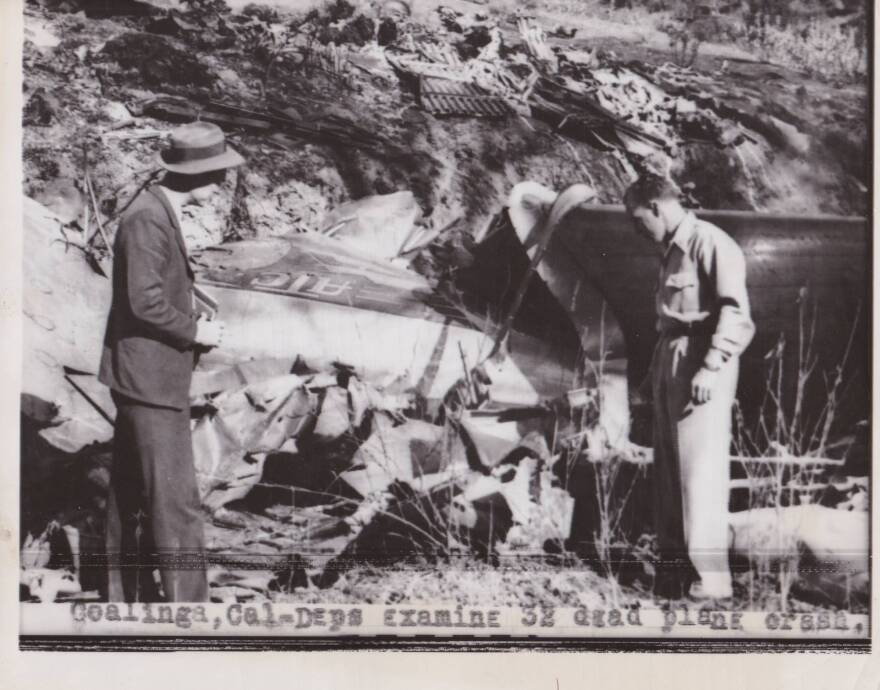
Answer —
378 225
331 439
331 127
443 97
319 444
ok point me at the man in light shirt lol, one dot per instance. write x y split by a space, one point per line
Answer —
704 325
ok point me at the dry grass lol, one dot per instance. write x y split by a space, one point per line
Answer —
788 430
592 439
466 582
784 428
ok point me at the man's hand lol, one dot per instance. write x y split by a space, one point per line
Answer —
209 333
702 385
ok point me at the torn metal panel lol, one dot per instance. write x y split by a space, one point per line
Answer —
447 97
492 440
598 264
415 67
410 453
291 433
230 444
580 114
376 225
207 382
385 321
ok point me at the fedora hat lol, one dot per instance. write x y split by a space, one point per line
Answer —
196 148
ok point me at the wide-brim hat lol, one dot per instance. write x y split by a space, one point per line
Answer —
196 148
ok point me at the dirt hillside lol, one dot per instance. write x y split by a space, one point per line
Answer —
741 134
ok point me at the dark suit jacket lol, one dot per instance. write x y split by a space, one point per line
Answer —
149 344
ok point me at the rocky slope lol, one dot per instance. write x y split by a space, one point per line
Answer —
742 134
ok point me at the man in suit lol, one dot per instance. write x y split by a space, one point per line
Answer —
153 332
704 323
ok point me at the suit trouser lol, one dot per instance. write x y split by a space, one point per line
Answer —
153 509
691 466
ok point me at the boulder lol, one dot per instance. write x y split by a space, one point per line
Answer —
65 304
790 136
63 198
831 547
158 61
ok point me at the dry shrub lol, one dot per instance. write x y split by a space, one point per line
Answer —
819 46
786 435
613 481
801 427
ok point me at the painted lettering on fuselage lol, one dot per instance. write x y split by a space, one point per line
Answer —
344 290
304 283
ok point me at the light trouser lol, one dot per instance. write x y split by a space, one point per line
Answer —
154 517
691 468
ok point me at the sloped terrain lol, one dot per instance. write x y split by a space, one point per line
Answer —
744 134
329 104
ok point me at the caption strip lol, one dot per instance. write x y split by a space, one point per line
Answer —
268 618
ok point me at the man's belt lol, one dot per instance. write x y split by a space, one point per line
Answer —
682 329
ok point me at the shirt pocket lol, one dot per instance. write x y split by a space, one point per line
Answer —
682 291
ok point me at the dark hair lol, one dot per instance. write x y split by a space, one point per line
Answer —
650 188
186 183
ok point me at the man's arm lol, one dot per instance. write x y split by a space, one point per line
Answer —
724 263
144 248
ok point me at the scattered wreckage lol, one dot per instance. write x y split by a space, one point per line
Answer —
807 280
374 417
363 412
